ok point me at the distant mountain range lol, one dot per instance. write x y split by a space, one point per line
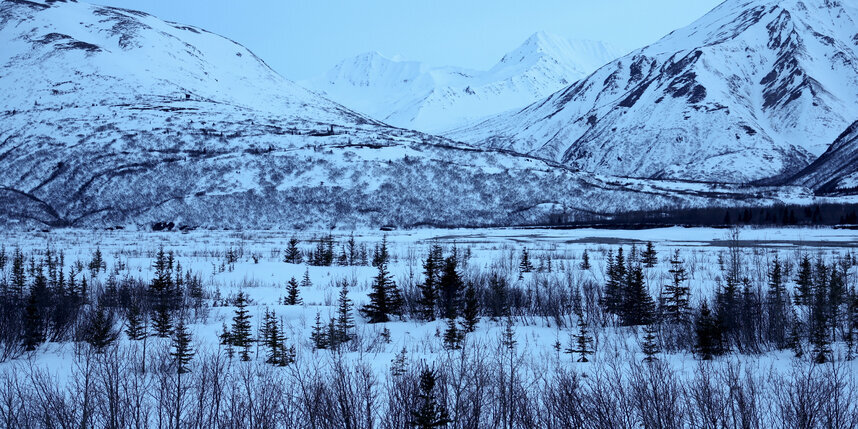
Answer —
755 89
412 95
114 117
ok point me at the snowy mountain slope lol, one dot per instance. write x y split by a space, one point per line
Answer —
109 56
411 95
113 117
836 171
754 89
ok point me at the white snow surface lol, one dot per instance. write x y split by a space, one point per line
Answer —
203 253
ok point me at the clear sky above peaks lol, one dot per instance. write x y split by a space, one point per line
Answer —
303 38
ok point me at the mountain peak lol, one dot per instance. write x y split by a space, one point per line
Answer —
545 41
371 69
412 95
374 56
583 56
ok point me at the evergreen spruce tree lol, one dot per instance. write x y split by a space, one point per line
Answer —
287 354
111 291
18 277
638 306
585 261
272 338
452 335
709 337
33 325
318 336
778 305
61 282
352 250
397 302
525 266
226 340
499 302
794 342
450 286
750 318
430 414
399 365
508 335
471 310
179 291
135 327
182 352
581 343
429 287
240 332
384 298
324 253
363 255
675 298
820 278
577 301
195 290
804 282
84 289
650 346
97 263
332 336
343 259
50 264
819 327
292 292
100 332
380 255
43 299
305 281
161 289
72 289
649 257
345 319
837 293
728 310
851 323
615 286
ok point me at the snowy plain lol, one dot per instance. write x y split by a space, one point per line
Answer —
261 273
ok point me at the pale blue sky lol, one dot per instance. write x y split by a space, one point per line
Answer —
303 38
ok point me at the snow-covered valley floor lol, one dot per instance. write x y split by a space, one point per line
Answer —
513 370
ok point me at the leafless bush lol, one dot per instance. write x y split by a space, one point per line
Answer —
609 399
706 398
801 397
657 395
562 400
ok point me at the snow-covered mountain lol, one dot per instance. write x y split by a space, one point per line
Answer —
754 89
114 117
411 95
59 55
836 171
